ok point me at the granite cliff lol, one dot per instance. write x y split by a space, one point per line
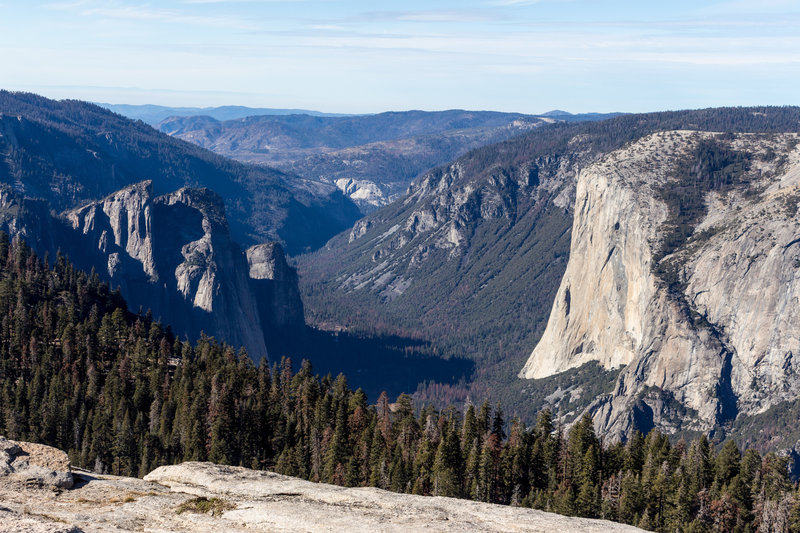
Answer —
172 254
274 285
698 306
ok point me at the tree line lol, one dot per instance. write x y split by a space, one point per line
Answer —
122 395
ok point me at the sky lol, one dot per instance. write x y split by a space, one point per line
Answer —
362 57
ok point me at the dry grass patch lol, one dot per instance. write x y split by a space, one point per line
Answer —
212 506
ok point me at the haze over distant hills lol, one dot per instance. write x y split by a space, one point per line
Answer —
371 158
70 152
153 114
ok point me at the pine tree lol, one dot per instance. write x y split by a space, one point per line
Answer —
448 465
337 452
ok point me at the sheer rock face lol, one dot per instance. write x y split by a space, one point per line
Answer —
729 347
274 284
122 222
174 255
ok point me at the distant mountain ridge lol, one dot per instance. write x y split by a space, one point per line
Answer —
153 114
70 152
371 158
340 132
579 117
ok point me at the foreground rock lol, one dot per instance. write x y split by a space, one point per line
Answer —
34 465
171 499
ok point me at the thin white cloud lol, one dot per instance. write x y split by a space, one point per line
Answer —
142 12
194 2
573 47
719 59
432 15
444 16
328 27
66 6
515 3
145 12
748 6
514 69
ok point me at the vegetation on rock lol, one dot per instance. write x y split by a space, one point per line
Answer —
201 504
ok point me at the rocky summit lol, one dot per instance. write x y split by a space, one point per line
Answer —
203 497
34 465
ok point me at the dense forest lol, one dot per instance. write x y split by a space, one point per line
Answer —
117 391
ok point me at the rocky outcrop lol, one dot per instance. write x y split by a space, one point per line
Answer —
717 341
367 195
34 465
174 254
122 227
248 500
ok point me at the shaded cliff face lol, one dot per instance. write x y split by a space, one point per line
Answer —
697 304
174 255
31 220
274 285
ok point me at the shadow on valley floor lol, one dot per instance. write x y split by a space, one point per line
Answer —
391 363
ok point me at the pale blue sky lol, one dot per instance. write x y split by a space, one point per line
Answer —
359 57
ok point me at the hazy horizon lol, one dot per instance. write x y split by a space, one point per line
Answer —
526 56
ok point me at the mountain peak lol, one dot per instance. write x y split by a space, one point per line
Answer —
557 113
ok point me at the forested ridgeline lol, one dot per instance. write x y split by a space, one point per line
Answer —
117 391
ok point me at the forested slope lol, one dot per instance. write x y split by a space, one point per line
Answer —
80 372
